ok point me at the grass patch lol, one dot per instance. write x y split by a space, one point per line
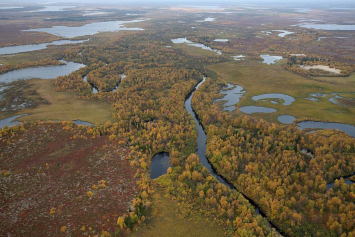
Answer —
171 218
65 106
258 78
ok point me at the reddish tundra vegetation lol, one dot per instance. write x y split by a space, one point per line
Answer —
59 178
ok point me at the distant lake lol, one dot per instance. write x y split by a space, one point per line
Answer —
54 9
34 47
328 26
95 13
88 29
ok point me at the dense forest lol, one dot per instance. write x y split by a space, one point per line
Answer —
283 169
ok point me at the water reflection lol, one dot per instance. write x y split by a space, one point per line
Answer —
160 164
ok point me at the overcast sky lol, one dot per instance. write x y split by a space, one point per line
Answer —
205 2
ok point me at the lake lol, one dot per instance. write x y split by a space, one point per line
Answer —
45 72
87 29
328 26
95 13
54 9
34 47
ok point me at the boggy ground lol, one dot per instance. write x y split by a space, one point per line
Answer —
258 78
40 101
54 185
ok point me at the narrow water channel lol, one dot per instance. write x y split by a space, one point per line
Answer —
201 152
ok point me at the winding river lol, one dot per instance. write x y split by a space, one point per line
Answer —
201 152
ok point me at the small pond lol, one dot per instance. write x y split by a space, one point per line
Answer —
349 129
220 40
80 122
256 109
286 119
232 96
238 57
46 72
160 165
88 29
34 47
209 19
319 94
283 33
312 99
268 59
286 98
333 99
